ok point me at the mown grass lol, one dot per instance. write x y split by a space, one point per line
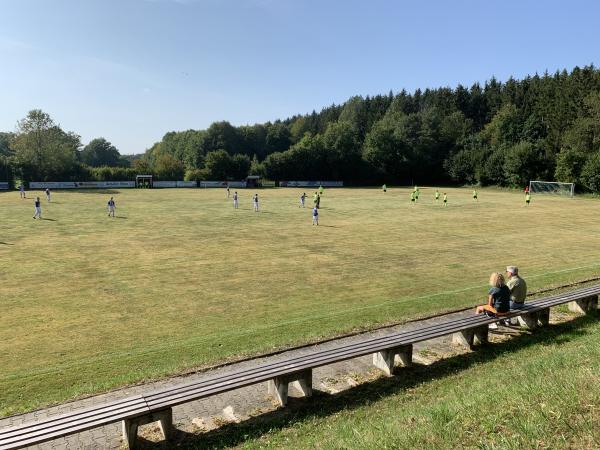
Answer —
181 280
539 391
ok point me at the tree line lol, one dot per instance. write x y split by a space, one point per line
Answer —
500 133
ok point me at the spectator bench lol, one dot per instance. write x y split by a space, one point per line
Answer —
156 405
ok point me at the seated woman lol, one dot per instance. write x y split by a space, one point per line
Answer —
498 299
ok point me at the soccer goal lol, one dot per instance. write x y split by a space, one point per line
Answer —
552 187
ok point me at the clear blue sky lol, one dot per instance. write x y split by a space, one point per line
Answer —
131 70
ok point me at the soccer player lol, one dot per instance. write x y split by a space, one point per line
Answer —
227 191
318 203
48 195
38 208
526 189
302 199
321 190
22 190
417 192
412 197
235 200
384 187
111 207
315 216
475 195
527 198
315 197
255 201
445 200
437 196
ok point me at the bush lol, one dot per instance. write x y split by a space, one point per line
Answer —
196 175
590 174
112 173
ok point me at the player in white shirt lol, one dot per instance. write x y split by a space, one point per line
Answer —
235 200
48 195
111 207
302 199
22 190
255 202
315 216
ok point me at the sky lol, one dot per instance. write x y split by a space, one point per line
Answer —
132 70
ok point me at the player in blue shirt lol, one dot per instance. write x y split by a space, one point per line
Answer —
315 216
38 208
111 207
302 199
235 200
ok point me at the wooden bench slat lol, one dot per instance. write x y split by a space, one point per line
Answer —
43 432
78 413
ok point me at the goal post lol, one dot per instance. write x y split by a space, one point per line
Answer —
552 187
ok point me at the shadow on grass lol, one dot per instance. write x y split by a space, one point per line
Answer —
5 243
51 220
322 404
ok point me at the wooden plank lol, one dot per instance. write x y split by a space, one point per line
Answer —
45 432
78 413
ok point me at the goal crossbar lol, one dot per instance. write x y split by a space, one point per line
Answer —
552 187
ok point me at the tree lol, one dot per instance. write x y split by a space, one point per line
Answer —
169 168
100 152
240 165
5 140
43 151
522 163
278 138
218 165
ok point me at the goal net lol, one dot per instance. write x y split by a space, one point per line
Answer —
552 187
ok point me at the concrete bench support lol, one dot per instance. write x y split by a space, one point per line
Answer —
385 359
543 317
528 321
278 387
130 426
467 338
584 305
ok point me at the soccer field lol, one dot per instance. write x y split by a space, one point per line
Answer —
179 279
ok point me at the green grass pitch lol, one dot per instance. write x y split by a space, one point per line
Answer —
180 279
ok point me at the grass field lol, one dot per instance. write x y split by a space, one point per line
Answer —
180 279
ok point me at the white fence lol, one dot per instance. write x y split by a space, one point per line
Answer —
315 184
222 184
3 185
80 184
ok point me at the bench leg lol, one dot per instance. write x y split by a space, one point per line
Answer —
480 335
278 387
130 429
464 338
584 305
130 426
405 354
165 422
543 317
384 360
528 321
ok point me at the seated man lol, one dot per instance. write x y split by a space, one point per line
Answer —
517 286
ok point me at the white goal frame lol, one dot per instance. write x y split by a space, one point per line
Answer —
551 187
